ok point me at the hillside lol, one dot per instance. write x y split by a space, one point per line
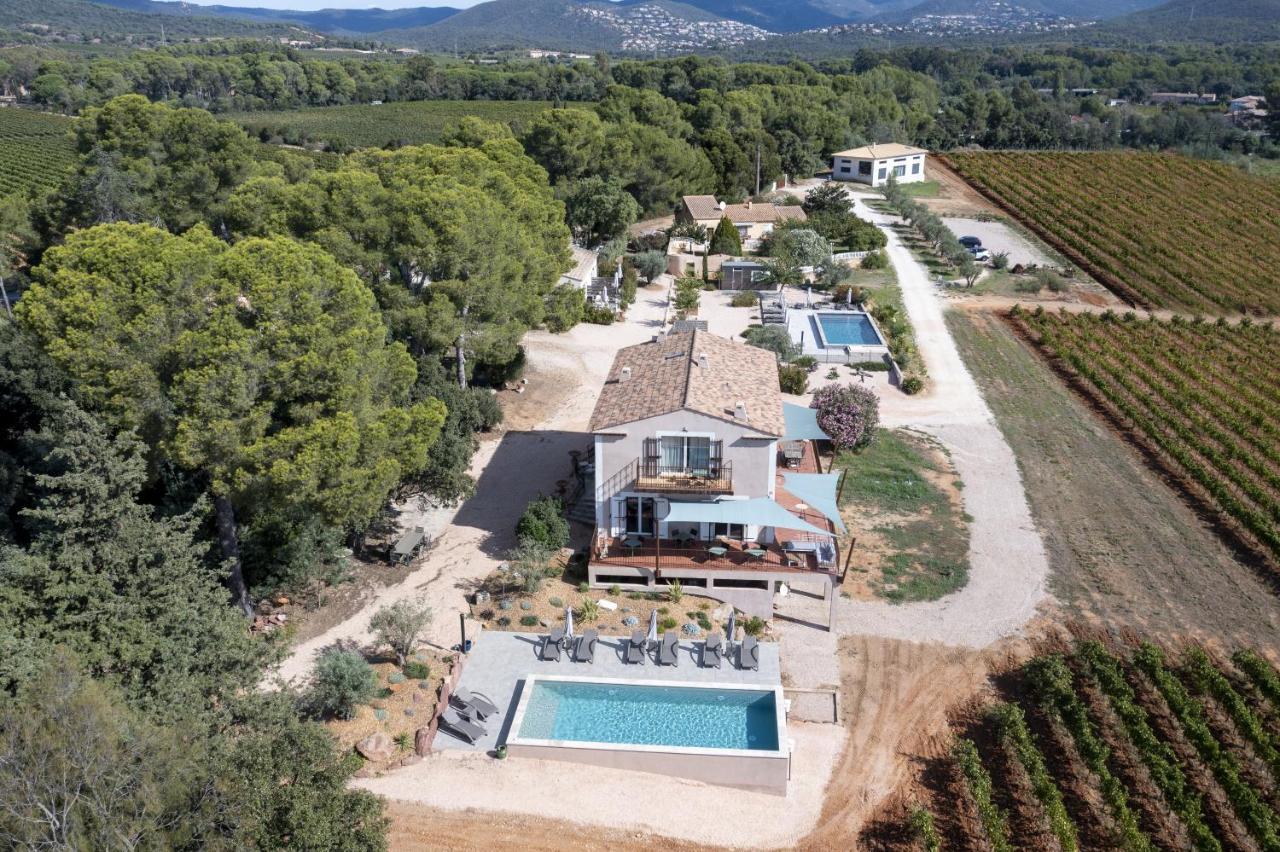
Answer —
643 26
325 20
54 18
1196 20
779 16
1077 9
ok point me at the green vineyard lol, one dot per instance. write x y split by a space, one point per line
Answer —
1108 746
1201 399
369 126
35 149
1161 230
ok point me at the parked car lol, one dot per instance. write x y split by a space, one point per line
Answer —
980 254
971 243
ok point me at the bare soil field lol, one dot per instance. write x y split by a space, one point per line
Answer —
955 197
1125 551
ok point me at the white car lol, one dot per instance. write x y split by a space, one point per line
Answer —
980 254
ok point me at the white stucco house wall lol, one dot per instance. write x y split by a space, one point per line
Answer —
873 164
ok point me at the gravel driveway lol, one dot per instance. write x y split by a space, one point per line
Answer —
996 237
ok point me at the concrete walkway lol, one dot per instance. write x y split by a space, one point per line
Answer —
1008 565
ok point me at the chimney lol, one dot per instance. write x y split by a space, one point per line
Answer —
748 203
740 411
625 375
721 205
703 361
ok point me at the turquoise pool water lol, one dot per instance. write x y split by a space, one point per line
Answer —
849 329
694 717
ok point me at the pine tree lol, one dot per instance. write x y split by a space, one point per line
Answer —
725 240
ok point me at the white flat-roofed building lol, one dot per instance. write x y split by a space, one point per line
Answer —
873 164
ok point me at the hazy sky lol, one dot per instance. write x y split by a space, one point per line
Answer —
337 4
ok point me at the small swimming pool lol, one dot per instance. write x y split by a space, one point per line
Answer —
719 733
689 716
849 328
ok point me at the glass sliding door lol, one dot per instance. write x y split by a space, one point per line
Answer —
686 454
639 515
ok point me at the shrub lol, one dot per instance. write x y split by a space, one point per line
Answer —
774 338
1055 282
688 292
584 587
668 623
842 291
871 366
504 604
342 680
1000 260
675 591
564 308
689 629
526 605
556 602
615 590
793 379
848 413
415 670
875 260
588 610
503 621
807 361
400 624
726 240
543 522
630 621
598 315
529 620
745 299
402 741
912 385
753 626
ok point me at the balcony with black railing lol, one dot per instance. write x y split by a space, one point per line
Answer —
713 476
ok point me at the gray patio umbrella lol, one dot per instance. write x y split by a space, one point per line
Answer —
733 625
808 297
568 623
652 637
848 296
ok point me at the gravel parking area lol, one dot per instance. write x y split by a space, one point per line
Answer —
996 237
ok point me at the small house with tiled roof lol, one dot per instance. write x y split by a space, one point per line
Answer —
688 433
753 219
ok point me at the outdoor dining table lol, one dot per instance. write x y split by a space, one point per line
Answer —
755 553
718 552
631 544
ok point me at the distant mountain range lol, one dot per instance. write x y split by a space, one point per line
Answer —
820 27
345 21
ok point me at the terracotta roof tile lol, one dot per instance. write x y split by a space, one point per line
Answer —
668 375
704 207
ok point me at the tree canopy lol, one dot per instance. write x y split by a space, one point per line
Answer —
264 366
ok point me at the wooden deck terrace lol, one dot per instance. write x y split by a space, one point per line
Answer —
668 554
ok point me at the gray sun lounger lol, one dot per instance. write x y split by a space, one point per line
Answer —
749 654
586 649
551 646
635 648
460 727
713 651
668 650
475 704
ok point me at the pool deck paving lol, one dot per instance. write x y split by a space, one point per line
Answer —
500 661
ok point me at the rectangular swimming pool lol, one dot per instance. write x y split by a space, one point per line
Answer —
697 717
731 734
850 328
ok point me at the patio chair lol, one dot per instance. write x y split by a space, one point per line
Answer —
713 651
474 704
667 650
749 654
635 648
551 645
462 728
586 650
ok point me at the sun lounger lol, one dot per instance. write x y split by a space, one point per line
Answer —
586 650
749 654
667 655
713 651
551 646
474 704
460 727
635 648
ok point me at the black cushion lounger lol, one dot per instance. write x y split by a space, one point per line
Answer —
713 651
475 703
551 645
460 727
667 651
749 654
635 648
586 650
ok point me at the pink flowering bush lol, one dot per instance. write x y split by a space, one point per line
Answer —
848 413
